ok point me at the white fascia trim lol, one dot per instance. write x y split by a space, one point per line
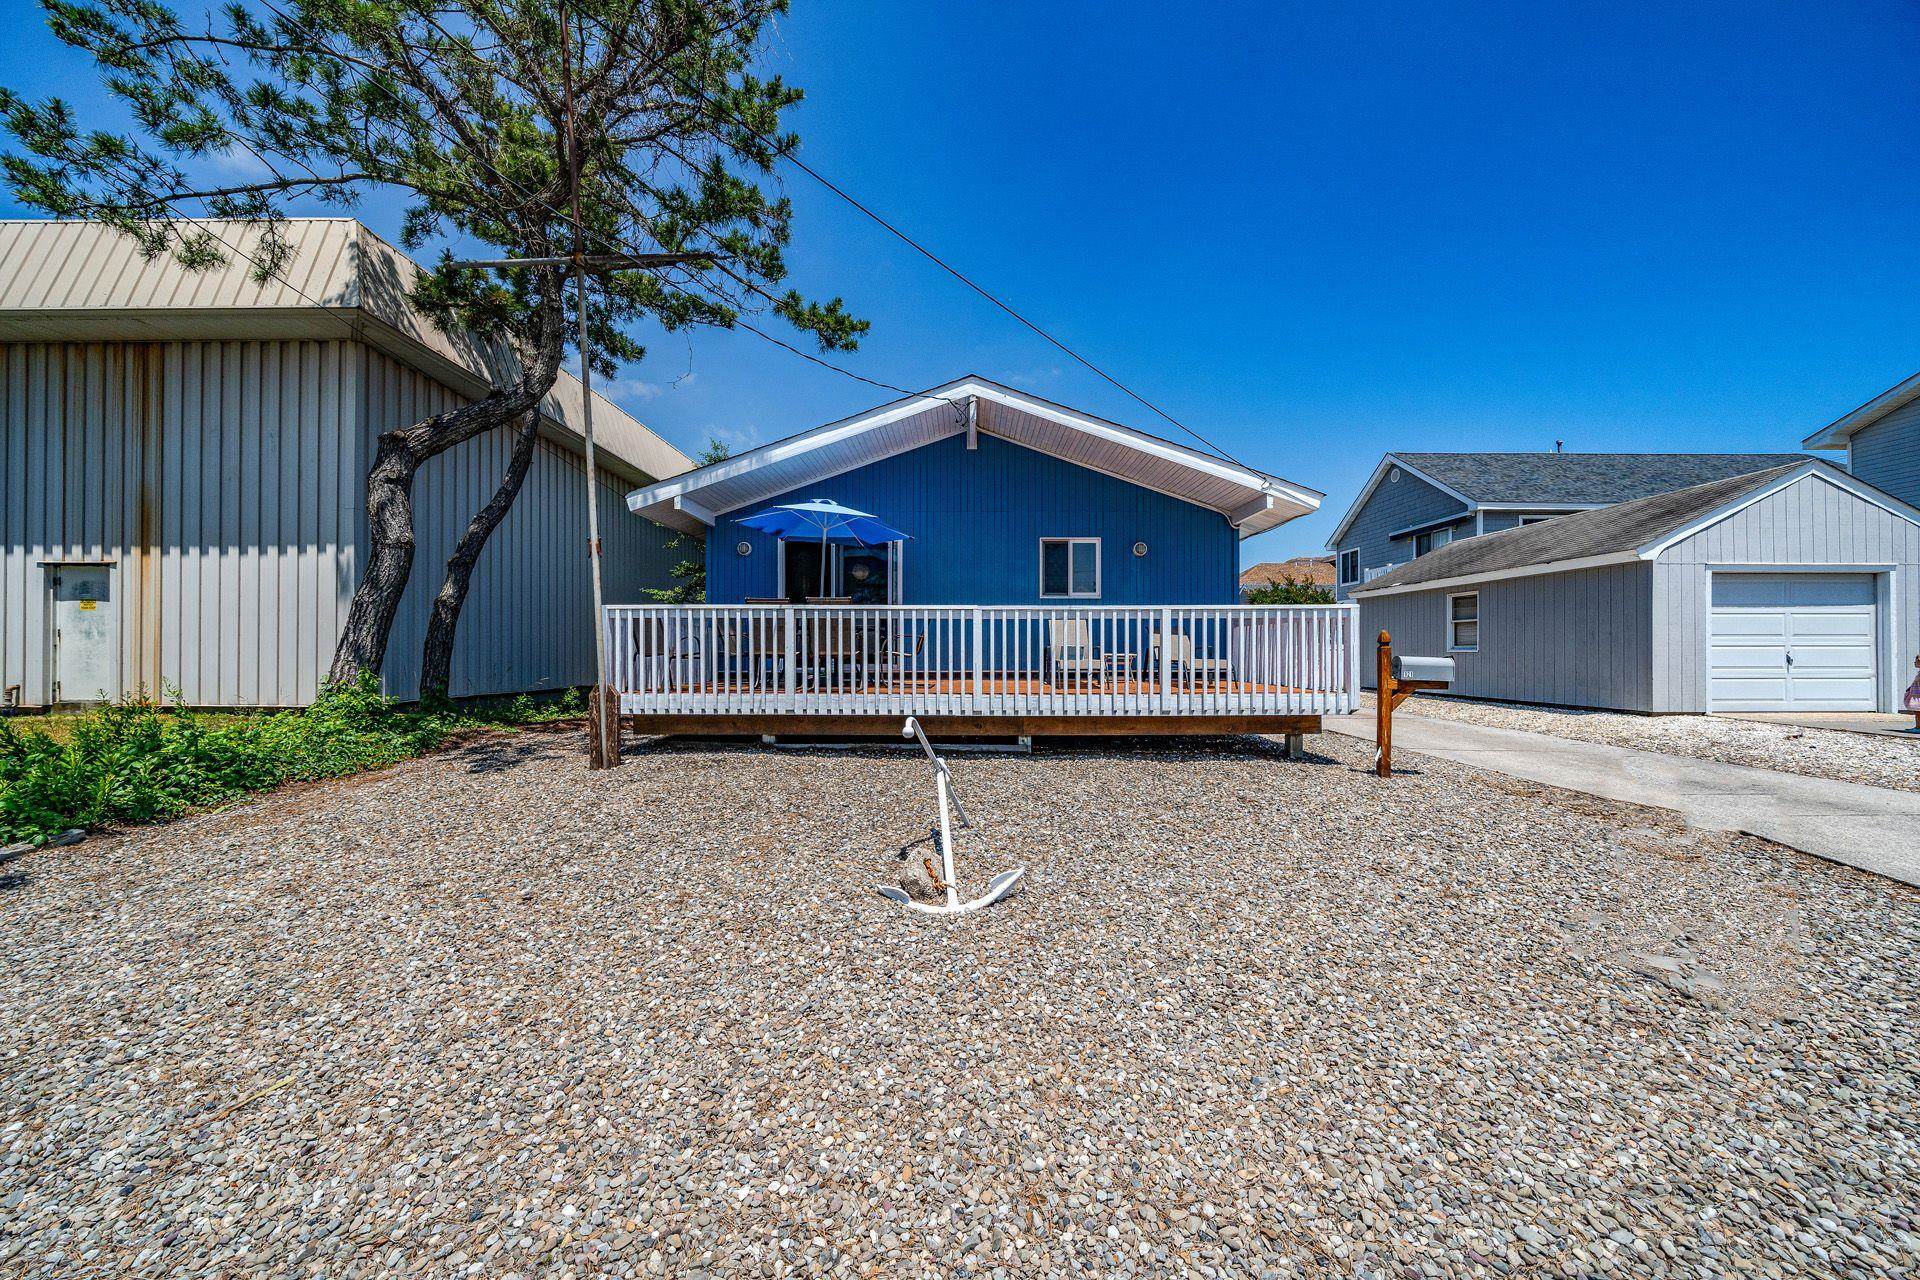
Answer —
1836 433
1762 566
781 450
1308 500
1373 482
1812 467
1436 523
1496 575
1560 509
1302 500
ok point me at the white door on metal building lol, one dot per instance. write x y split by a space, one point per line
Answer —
1794 642
86 633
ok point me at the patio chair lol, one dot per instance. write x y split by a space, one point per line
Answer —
1180 656
895 655
1070 651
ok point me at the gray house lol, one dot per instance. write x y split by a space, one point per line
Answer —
1786 589
1882 440
1415 503
182 458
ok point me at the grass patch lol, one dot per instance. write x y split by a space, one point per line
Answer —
136 761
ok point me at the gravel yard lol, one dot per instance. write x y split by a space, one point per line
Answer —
487 1014
1813 753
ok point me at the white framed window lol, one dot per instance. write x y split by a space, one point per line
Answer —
1463 622
1350 566
1069 568
1527 520
1432 540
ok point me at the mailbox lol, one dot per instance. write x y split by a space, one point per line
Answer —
1434 670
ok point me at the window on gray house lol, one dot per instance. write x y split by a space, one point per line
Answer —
1432 540
1350 566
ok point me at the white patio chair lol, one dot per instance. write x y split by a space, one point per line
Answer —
1070 651
1180 656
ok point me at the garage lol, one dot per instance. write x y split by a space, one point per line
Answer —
1794 642
1791 589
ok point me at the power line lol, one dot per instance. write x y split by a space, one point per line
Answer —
786 154
605 241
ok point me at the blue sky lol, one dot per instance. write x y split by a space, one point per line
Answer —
1316 232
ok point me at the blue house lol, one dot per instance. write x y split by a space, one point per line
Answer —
1882 440
1056 573
1007 499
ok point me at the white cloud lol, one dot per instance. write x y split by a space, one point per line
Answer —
236 162
635 390
737 439
628 390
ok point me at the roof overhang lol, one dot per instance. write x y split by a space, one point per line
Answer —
1836 434
1387 463
1651 549
1252 501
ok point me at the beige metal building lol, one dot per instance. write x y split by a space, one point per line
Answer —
182 457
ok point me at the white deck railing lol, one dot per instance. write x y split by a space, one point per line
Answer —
984 660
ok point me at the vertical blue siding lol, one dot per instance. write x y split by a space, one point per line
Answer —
977 517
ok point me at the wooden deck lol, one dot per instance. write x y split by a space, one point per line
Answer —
965 726
982 669
991 687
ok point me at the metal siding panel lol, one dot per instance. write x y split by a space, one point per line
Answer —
227 466
527 621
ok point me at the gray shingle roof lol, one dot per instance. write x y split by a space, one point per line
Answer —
1550 478
1625 526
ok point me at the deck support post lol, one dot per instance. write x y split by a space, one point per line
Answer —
1295 746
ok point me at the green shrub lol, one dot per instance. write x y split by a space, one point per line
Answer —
135 761
1291 591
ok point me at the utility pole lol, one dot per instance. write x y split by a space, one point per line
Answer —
604 752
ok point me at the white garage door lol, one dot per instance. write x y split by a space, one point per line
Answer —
1794 642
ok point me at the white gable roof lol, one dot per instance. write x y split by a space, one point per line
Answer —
1252 500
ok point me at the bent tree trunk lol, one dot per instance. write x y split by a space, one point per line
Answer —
436 655
400 455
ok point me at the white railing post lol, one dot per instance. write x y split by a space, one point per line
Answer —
978 701
790 659
1351 697
1166 660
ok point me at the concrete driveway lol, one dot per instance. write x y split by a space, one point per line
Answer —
1878 722
1872 828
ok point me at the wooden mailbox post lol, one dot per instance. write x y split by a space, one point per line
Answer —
1392 692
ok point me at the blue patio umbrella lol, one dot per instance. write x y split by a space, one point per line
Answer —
824 520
